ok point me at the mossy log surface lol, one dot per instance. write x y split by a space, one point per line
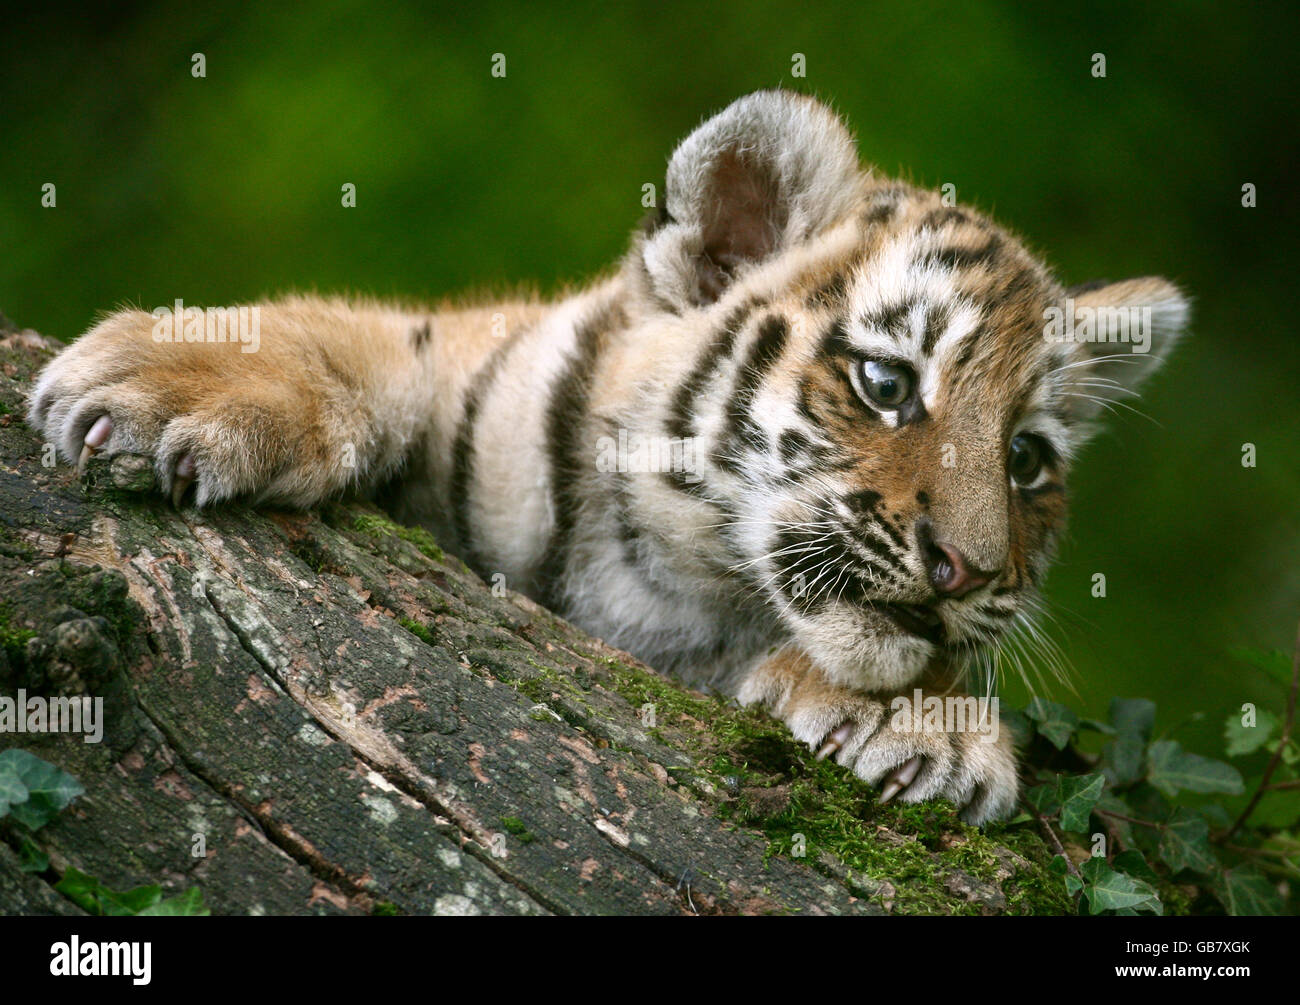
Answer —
321 713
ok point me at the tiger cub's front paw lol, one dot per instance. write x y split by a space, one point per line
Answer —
212 415
886 745
913 752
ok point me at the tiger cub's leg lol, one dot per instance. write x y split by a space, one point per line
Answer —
883 743
288 402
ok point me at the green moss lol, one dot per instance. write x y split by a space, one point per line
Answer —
420 631
379 526
531 687
13 640
544 683
384 909
766 781
518 829
309 551
106 593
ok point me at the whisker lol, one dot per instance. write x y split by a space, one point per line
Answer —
1119 357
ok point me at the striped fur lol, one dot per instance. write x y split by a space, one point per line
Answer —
737 328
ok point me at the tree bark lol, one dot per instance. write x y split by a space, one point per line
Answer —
320 713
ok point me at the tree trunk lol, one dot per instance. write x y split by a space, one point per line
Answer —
319 713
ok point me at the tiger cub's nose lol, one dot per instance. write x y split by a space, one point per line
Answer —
950 572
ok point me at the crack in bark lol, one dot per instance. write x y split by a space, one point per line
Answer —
276 834
470 842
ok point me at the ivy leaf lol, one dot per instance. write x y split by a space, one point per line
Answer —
1245 890
12 789
1171 769
1275 663
1185 842
1241 739
1108 890
1135 864
31 858
1133 718
1215 815
1045 798
1054 721
1121 759
188 905
131 901
81 889
1147 803
49 789
95 898
1121 828
1059 866
1079 794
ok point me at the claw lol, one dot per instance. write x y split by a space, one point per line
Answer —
900 778
96 437
835 741
182 479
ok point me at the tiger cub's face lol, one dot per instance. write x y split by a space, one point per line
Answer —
908 387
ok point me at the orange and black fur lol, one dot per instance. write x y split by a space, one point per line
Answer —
808 444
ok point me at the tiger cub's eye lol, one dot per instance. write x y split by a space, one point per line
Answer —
1025 459
886 384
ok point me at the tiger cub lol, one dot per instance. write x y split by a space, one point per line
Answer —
807 445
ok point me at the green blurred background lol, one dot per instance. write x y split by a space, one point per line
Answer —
228 187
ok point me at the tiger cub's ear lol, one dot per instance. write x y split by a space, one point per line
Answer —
1117 335
769 171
